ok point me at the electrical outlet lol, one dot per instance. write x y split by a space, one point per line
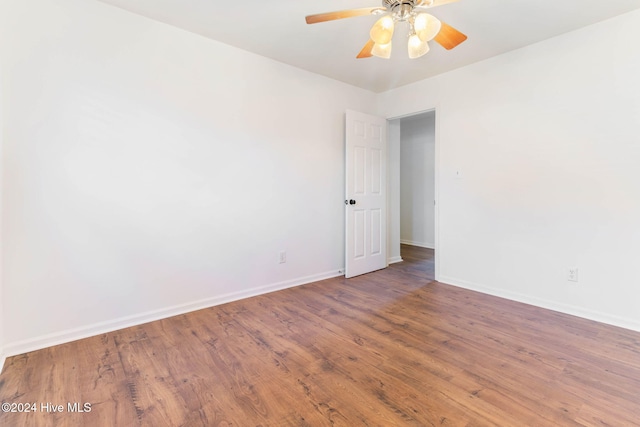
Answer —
572 274
283 257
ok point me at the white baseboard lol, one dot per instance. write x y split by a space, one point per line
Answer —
394 259
596 316
62 337
419 244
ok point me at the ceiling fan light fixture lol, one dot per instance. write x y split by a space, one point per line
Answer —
382 50
426 26
417 47
382 30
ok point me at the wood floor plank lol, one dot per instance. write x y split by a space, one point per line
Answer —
390 348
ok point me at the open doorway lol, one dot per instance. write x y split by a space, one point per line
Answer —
412 153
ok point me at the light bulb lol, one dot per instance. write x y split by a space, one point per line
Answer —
417 47
382 50
426 26
382 30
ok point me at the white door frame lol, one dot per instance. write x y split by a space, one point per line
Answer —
436 109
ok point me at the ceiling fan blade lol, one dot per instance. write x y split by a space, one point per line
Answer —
366 50
426 4
449 37
341 14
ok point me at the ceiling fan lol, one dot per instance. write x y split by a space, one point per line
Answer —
423 27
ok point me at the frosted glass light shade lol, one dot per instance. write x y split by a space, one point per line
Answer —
382 50
417 47
382 30
426 26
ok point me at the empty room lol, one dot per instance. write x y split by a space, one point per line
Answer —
319 213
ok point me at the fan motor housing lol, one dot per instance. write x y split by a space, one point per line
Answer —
401 9
393 4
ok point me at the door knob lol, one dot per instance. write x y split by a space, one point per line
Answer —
352 202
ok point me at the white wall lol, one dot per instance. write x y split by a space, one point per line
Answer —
417 180
153 171
547 143
2 355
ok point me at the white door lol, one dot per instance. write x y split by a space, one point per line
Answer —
366 199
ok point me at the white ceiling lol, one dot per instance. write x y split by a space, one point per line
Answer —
277 29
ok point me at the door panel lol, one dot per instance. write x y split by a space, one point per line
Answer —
359 164
360 225
365 193
376 171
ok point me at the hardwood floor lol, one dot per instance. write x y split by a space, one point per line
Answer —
391 348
